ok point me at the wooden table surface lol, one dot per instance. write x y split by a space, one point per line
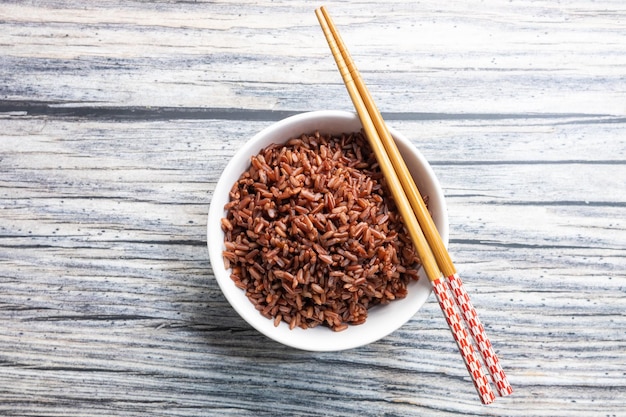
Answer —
117 118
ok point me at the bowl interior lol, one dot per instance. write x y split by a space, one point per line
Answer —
381 320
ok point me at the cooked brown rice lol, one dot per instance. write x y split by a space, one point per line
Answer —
312 234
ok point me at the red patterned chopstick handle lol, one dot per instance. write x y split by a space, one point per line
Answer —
474 367
477 331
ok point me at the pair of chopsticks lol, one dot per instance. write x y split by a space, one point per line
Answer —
435 258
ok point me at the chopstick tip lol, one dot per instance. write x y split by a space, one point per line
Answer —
319 12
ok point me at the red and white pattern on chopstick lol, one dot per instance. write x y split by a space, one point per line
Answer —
477 330
474 367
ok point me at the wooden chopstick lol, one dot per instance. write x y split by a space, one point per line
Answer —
425 236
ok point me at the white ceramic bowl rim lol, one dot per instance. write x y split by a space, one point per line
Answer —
382 320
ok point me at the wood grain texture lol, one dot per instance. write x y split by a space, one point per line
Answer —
117 118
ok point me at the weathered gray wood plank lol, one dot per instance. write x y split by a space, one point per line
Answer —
512 58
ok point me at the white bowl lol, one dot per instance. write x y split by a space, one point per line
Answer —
381 320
